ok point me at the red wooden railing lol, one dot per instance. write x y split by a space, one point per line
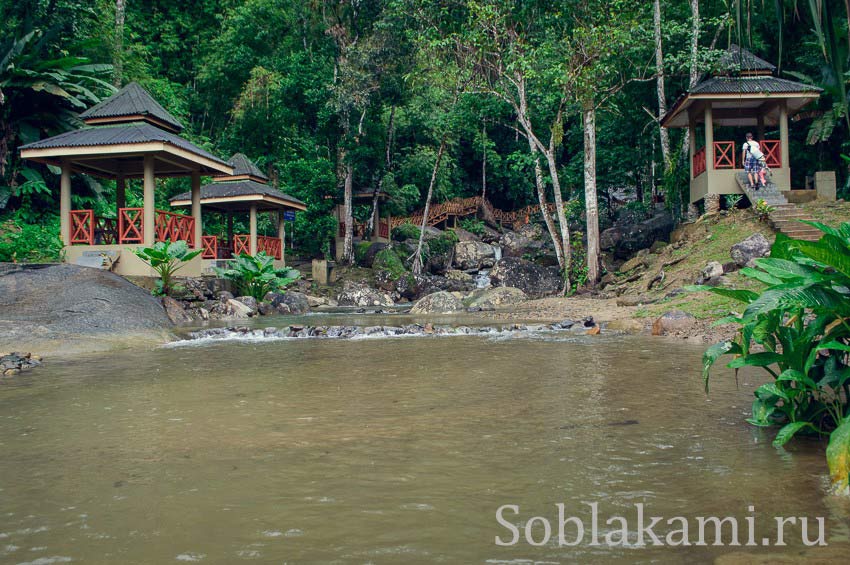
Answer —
384 229
174 227
131 225
772 149
210 247
699 162
724 154
82 226
271 245
241 244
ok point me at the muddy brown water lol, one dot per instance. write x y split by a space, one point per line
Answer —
391 450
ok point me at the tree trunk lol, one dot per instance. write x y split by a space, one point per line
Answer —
694 70
373 218
659 85
347 208
417 260
541 199
118 44
562 218
484 162
591 206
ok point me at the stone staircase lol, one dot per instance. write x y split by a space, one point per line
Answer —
785 217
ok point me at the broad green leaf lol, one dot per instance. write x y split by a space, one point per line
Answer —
770 389
755 360
714 353
792 375
838 455
788 431
745 296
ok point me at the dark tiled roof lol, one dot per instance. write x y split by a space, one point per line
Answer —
244 166
119 134
238 188
132 100
738 59
751 85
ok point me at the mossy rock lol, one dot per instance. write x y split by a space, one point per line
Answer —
388 260
405 231
360 250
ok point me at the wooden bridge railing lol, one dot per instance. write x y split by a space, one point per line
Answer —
468 206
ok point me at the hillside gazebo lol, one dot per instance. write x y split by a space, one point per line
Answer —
127 136
744 95
245 190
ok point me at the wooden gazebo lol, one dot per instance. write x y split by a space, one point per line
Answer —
745 94
245 190
127 136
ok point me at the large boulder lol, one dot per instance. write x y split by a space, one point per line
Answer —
531 278
516 244
175 311
626 238
367 257
361 294
68 308
438 303
471 255
754 247
297 302
496 297
531 231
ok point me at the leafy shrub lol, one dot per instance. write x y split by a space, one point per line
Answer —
578 264
443 244
388 260
360 249
473 226
257 276
762 210
166 258
732 200
30 243
635 211
797 331
406 231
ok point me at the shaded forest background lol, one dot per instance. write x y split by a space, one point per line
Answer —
379 92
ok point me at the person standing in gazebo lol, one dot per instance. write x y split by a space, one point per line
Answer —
751 157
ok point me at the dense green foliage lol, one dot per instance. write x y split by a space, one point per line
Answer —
318 93
257 276
166 258
797 330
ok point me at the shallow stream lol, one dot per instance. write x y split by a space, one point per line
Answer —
392 450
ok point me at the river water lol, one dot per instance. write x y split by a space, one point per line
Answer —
393 450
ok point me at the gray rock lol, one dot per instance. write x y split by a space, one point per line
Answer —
438 303
754 247
673 321
224 296
515 244
175 311
473 255
283 308
234 309
265 309
712 269
249 301
360 294
494 297
297 302
625 238
534 280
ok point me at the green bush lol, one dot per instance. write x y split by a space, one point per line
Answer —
23 242
388 260
443 244
166 258
257 276
797 331
473 226
405 231
360 249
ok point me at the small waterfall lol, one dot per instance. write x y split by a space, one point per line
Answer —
498 252
482 279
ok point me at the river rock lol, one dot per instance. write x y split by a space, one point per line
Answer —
626 325
534 280
625 238
672 322
531 231
486 299
474 255
754 247
265 309
455 275
297 302
712 269
224 296
635 300
437 303
369 256
248 301
235 309
175 311
360 294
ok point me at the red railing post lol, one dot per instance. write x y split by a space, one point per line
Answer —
82 226
724 154
241 244
772 149
131 227
210 247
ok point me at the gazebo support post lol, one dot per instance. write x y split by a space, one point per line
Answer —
692 141
120 194
149 203
709 139
230 229
783 134
281 233
196 207
252 222
760 126
65 203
